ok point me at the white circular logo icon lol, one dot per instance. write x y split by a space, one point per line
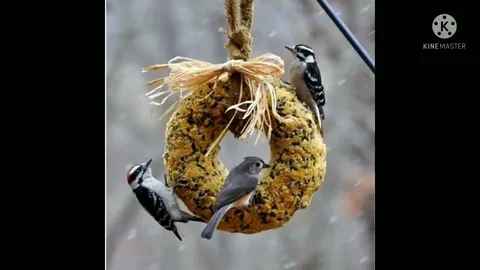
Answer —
444 26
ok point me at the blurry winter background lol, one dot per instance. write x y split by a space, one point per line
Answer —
336 231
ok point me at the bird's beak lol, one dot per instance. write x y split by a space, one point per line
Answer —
265 166
289 48
148 164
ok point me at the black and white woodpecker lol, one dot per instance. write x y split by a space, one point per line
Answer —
157 199
305 77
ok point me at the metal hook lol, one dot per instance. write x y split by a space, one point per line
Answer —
348 34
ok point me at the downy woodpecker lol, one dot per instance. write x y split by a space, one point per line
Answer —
157 199
306 79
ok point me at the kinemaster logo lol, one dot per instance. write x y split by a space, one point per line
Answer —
444 26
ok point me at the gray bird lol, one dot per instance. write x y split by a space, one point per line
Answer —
237 191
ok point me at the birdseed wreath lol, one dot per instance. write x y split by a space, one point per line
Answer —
239 96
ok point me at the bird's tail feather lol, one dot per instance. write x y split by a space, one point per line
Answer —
212 225
320 116
177 233
187 217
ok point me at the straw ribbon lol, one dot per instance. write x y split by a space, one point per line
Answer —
190 75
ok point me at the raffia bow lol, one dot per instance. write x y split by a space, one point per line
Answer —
190 75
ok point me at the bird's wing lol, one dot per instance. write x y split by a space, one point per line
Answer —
236 186
315 86
162 191
154 205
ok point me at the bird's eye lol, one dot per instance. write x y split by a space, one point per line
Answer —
258 164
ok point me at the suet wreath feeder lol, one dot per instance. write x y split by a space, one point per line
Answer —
239 96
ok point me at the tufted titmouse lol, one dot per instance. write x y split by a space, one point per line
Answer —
236 192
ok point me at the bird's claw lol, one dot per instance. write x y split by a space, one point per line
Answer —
165 180
180 185
174 186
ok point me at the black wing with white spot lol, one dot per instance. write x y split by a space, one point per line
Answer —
313 79
154 205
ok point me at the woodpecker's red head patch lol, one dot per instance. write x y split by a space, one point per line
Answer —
137 171
134 173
